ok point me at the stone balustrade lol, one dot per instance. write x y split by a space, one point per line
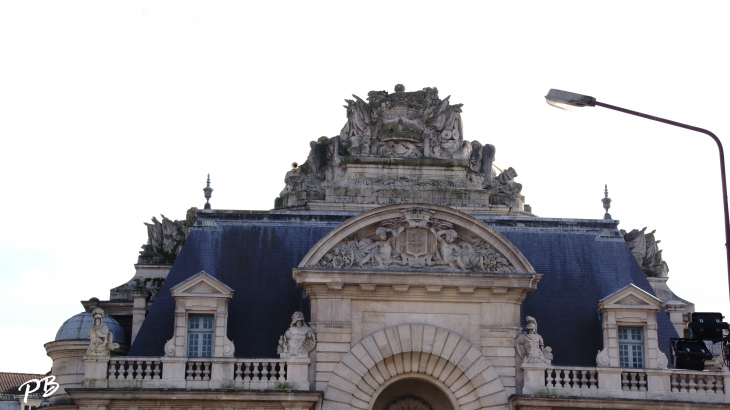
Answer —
196 373
609 382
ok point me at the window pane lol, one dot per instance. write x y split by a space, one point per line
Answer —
193 344
631 347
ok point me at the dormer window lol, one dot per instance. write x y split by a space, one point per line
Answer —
201 318
200 335
631 347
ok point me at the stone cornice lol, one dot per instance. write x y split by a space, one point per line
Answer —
288 399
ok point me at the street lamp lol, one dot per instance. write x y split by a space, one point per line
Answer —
569 101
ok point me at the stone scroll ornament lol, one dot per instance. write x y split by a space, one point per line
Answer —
401 124
419 241
101 340
530 345
298 340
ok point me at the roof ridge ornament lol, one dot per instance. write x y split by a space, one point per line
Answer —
606 203
208 192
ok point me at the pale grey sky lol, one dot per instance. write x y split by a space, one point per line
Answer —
111 113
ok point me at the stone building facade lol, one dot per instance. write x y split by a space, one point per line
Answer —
399 269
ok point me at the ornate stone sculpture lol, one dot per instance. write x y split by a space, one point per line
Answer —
101 340
645 249
419 241
383 131
165 239
530 345
298 340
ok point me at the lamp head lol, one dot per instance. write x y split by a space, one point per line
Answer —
568 101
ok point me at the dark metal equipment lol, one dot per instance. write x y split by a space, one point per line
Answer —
691 353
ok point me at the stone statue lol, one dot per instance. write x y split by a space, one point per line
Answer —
165 239
298 340
530 345
645 249
101 340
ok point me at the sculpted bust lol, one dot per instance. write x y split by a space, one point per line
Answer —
298 340
530 345
101 340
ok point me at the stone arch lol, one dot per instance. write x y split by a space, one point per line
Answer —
463 223
414 348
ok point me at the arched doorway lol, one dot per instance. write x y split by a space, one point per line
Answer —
412 392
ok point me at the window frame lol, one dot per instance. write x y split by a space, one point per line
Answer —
631 358
200 353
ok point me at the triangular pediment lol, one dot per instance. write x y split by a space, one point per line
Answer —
416 237
202 284
630 296
631 300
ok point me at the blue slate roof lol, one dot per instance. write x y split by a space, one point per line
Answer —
582 261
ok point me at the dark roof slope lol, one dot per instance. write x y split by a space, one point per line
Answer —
581 262
254 252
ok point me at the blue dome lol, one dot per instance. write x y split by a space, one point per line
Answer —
77 327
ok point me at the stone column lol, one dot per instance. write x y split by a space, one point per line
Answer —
297 370
534 378
221 373
675 309
139 310
96 372
173 372
609 381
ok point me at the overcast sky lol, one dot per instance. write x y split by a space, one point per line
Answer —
111 113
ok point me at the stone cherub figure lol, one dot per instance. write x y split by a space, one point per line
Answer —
298 340
450 252
380 251
530 345
101 339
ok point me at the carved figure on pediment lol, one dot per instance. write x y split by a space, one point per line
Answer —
450 252
381 251
504 183
645 249
165 239
298 340
419 241
530 345
356 134
101 339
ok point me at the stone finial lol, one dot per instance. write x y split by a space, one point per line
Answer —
101 339
208 192
606 203
399 88
530 345
298 340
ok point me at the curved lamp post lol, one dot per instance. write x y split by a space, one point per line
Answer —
569 101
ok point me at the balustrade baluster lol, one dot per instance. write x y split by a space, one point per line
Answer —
237 373
156 372
206 371
247 371
692 384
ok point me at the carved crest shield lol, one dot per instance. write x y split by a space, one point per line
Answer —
416 242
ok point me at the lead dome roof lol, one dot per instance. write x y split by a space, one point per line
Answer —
77 327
